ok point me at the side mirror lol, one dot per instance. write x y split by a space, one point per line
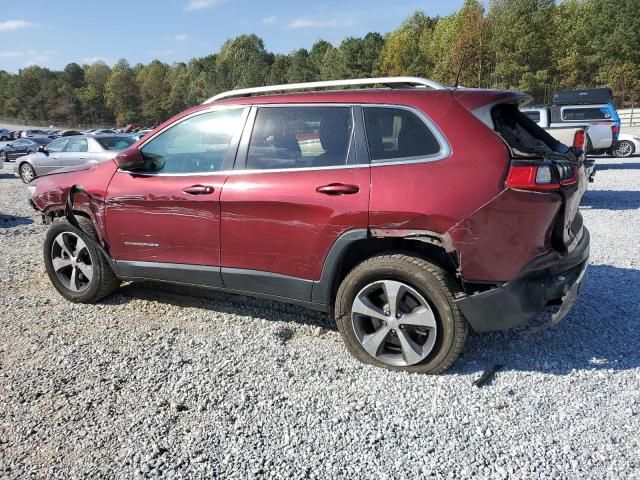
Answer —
43 149
130 159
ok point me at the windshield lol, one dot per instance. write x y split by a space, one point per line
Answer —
115 143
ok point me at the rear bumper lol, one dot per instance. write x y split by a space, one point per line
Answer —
551 277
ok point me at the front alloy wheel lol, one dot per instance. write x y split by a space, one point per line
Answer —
394 323
75 266
72 261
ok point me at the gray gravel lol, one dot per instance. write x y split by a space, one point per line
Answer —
150 383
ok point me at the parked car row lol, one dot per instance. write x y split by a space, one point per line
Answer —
8 135
41 155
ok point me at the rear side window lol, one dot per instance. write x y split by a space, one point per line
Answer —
585 113
300 137
395 134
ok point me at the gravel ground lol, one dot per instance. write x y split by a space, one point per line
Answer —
150 383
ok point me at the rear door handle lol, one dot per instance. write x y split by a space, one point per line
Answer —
199 190
338 189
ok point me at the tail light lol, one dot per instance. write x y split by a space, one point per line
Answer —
580 140
615 130
541 178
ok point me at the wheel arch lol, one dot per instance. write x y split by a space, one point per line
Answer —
355 246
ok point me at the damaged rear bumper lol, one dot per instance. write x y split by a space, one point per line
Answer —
550 278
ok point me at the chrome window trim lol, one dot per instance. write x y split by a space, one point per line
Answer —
445 151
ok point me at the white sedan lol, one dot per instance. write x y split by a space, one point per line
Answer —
627 145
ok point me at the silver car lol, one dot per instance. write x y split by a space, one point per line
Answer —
69 152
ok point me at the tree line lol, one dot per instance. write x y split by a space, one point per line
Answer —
535 46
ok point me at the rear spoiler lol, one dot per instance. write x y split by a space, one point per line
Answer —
472 99
480 102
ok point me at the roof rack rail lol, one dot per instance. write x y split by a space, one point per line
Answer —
391 82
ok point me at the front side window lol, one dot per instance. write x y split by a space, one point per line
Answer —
57 145
395 134
300 137
77 145
196 145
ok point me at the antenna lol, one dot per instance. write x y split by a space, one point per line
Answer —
457 82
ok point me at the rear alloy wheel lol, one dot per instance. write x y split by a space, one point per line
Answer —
399 312
4 139
624 149
3 156
27 173
76 268
394 323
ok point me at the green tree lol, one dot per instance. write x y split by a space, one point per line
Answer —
404 49
521 31
92 96
154 90
299 69
243 62
122 95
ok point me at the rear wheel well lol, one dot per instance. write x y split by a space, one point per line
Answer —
361 250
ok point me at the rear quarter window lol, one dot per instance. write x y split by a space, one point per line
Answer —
398 134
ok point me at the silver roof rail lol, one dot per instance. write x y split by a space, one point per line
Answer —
391 82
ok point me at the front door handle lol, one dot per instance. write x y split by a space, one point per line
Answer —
199 190
338 189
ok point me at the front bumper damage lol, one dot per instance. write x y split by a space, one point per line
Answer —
550 278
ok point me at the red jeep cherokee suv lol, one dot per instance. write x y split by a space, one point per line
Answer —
408 212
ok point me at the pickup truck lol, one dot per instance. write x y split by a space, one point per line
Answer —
563 125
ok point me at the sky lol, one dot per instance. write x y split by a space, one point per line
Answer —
54 33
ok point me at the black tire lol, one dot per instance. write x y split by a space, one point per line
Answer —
104 281
432 282
3 157
624 149
27 173
4 139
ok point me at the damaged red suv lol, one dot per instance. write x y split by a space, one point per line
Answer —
410 212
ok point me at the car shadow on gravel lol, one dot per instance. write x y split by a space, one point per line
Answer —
10 221
6 176
611 199
617 166
601 332
228 303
